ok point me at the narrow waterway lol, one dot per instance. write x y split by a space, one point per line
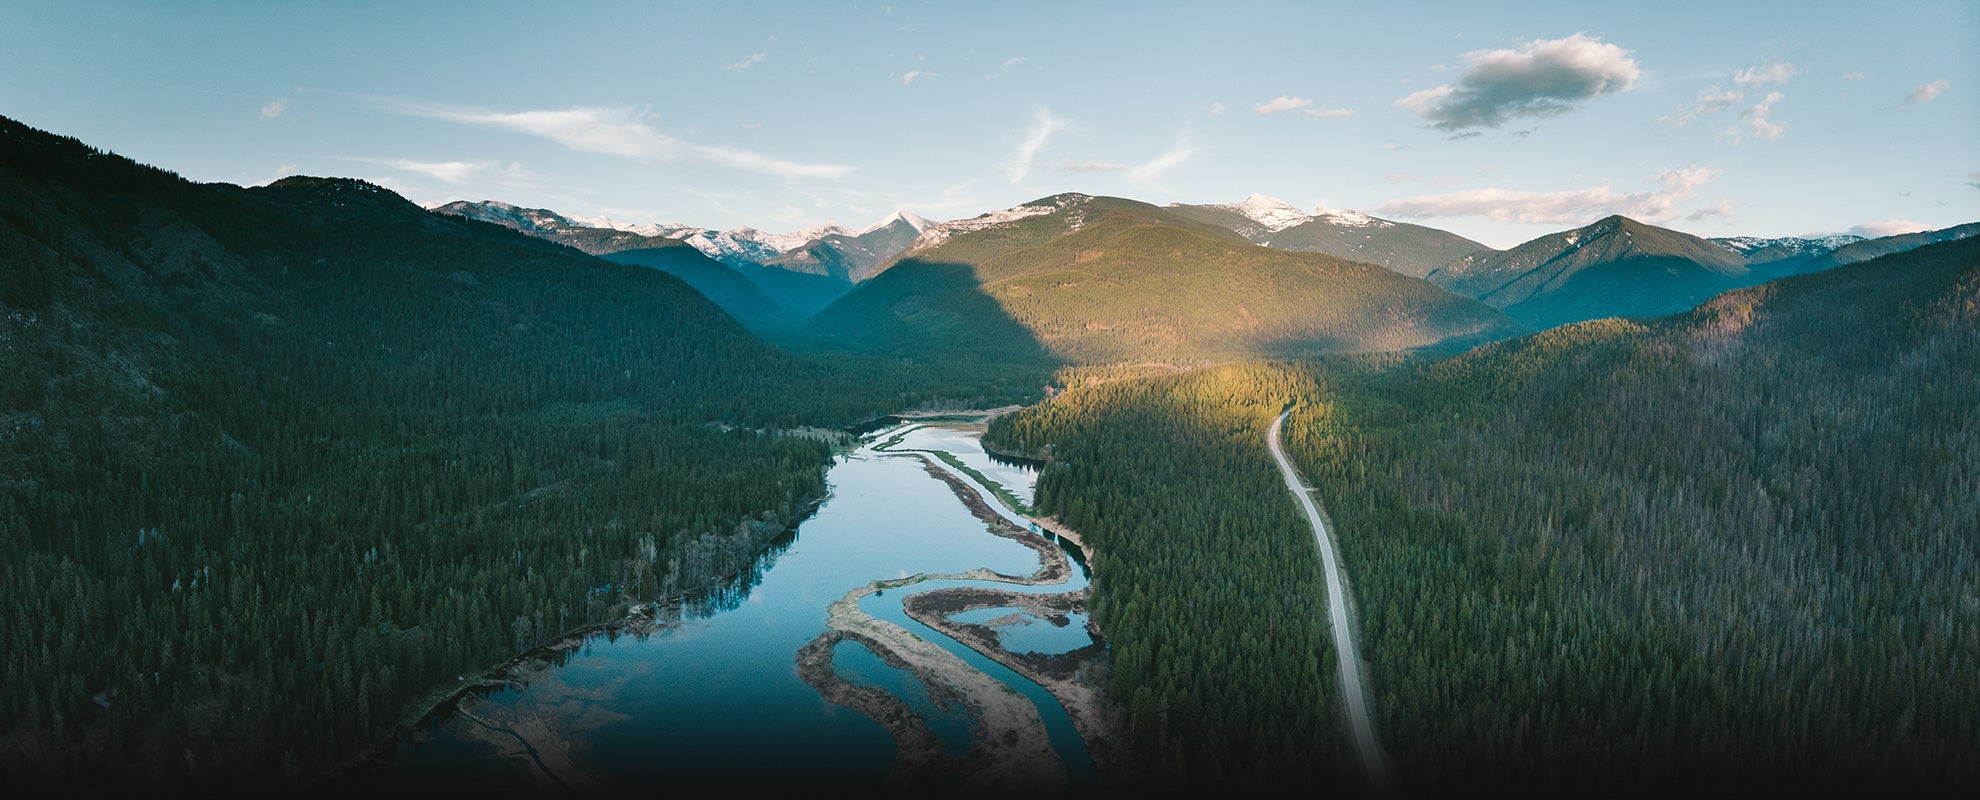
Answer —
718 702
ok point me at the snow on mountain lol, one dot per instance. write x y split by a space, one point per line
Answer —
1275 214
940 232
1793 245
902 215
1351 219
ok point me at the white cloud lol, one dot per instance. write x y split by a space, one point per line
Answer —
1723 212
454 172
913 74
1713 99
1330 113
1888 227
1976 179
274 108
753 60
1011 62
1216 108
1756 118
1710 99
616 132
1281 103
1766 74
1087 166
1925 93
1147 173
1043 125
1570 207
1853 76
1543 78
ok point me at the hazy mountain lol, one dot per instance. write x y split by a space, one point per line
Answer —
1412 250
1614 267
854 257
729 288
1784 256
1102 280
1871 248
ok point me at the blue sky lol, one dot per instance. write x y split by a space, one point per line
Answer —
1497 121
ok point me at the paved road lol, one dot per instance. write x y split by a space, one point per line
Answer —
1352 682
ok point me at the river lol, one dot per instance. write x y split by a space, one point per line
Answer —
715 699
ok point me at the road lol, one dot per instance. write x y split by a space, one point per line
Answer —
1353 683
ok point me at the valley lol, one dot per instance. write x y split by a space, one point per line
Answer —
304 486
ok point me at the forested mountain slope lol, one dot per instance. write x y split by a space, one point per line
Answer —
1614 267
1729 549
1095 280
1413 250
276 463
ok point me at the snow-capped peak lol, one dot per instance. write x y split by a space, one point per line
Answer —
1349 218
901 215
1271 212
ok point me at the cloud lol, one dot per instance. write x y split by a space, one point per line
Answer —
1756 118
1087 166
1281 103
1853 76
1571 207
1723 212
1976 179
1043 125
913 74
454 172
616 132
1888 227
1713 99
1216 108
1330 113
1710 99
1763 75
753 60
274 108
1011 62
1543 78
1925 93
1393 147
1147 173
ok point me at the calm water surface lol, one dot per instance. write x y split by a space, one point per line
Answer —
716 702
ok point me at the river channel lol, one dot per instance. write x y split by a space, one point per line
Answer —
713 698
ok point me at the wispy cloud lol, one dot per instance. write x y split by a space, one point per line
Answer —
1713 99
1925 93
1777 73
1216 108
751 61
1853 76
1888 227
1710 99
1543 78
1148 173
454 172
1975 182
1280 104
1570 207
1043 125
615 132
1087 166
1722 212
274 108
1011 62
914 74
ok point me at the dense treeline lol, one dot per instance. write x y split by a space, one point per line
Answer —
279 464
1205 577
1738 547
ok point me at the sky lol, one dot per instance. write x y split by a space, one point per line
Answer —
1498 121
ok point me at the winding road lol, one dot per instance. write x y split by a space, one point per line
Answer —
1353 683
